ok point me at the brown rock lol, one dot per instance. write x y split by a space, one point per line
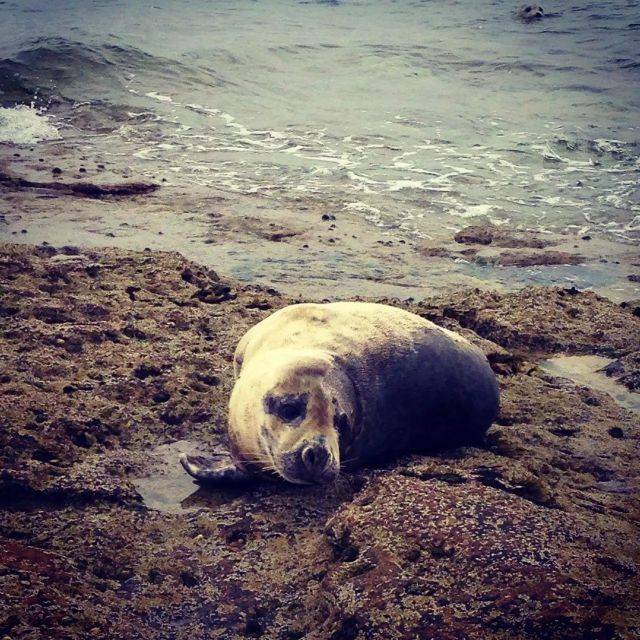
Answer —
539 258
485 234
626 370
465 561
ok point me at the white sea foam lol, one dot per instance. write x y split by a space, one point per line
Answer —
157 96
342 161
399 185
363 179
614 200
471 211
368 212
25 124
361 206
201 109
634 225
143 154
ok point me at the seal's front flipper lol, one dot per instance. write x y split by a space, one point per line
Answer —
207 469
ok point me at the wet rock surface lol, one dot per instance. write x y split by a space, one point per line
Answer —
109 355
626 370
541 319
525 259
485 234
79 189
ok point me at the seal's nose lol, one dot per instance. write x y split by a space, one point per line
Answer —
314 457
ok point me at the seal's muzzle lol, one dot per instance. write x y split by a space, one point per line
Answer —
311 463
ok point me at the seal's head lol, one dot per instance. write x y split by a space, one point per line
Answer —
285 414
531 12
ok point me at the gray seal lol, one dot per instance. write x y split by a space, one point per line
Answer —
528 12
325 387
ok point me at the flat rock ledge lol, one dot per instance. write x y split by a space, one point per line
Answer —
105 355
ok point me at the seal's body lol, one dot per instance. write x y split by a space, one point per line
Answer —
320 386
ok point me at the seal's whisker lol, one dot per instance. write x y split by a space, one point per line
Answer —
258 459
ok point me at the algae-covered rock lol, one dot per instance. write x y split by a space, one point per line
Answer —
435 559
109 357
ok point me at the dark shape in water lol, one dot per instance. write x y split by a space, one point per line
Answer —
81 189
531 12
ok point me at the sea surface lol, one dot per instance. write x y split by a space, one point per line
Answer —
415 116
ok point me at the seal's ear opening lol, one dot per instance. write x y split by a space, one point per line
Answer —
213 469
341 423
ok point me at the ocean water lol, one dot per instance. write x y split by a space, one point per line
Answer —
416 116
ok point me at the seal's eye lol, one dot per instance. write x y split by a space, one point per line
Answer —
289 408
290 411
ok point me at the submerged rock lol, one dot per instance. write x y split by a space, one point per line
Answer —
485 234
526 259
80 189
626 370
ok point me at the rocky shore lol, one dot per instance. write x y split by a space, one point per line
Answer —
111 359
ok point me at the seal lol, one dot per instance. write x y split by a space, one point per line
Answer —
530 12
325 387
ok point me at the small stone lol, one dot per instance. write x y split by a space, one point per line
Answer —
144 370
161 396
188 579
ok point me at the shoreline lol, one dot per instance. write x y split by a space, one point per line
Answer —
302 244
111 355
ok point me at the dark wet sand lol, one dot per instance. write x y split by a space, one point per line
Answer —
113 361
